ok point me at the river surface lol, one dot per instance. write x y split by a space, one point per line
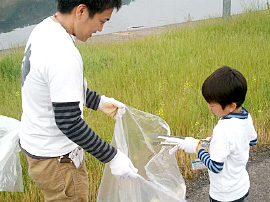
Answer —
19 17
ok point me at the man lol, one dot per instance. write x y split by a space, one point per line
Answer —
53 95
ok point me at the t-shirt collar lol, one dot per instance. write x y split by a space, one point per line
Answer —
241 115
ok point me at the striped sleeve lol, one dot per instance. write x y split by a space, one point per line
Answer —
213 166
69 121
92 99
253 142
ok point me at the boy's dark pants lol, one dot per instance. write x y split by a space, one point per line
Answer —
238 200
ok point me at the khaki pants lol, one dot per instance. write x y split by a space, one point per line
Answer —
59 181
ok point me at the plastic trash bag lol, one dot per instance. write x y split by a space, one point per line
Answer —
10 167
160 179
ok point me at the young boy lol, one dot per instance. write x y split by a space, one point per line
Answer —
225 91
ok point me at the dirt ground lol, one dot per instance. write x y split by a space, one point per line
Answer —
259 172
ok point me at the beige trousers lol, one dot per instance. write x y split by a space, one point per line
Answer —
59 181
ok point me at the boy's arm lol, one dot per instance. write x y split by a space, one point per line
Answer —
204 156
253 137
192 145
253 142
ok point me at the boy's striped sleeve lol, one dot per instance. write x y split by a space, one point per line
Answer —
253 142
213 166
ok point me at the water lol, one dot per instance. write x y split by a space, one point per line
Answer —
19 17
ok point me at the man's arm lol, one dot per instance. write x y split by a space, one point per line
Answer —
108 106
69 121
92 99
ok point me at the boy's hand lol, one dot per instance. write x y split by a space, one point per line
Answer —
110 106
122 167
189 145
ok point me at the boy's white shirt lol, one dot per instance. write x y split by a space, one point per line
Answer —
56 75
230 144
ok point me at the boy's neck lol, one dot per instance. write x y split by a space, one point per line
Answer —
237 110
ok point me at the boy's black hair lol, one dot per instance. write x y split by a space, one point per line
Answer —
94 6
225 86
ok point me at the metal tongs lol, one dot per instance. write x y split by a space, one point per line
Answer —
161 140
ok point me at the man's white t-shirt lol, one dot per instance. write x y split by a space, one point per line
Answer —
230 144
52 71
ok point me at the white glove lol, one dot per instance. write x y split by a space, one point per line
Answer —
180 143
110 106
122 167
189 145
170 139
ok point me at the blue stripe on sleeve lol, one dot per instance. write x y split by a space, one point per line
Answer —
253 142
213 166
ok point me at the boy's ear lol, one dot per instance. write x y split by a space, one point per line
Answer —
232 107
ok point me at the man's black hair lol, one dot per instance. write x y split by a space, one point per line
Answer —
225 86
94 6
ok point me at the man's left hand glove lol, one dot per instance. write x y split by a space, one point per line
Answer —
110 106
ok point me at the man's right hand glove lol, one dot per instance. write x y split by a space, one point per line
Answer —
110 106
189 145
122 167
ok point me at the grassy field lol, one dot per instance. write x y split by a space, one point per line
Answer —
162 75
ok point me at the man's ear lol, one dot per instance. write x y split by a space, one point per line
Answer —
81 10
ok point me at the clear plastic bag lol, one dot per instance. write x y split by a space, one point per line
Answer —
160 179
10 167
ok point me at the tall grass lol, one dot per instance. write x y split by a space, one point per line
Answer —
162 75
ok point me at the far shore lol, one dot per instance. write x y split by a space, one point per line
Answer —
132 34
121 36
141 32
138 33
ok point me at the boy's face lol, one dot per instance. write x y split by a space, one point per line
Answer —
217 110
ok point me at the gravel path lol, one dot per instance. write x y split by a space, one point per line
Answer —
259 172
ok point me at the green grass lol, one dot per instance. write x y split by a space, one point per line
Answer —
162 75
